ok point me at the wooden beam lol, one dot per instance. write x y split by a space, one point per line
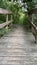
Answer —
6 17
11 17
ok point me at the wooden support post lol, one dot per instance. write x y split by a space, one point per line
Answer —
7 21
11 20
32 17
36 39
36 36
7 18
31 25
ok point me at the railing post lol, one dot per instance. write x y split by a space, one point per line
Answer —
6 17
7 21
36 36
32 17
32 22
11 20
36 39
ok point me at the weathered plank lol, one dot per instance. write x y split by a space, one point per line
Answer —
18 48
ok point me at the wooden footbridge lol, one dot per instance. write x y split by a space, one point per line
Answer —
17 47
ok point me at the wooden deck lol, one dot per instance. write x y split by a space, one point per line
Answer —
18 48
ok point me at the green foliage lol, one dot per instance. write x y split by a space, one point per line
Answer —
18 16
1 21
31 5
23 18
4 30
2 18
35 22
15 8
1 32
2 4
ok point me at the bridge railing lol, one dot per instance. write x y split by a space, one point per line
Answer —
5 24
7 14
8 22
32 19
34 30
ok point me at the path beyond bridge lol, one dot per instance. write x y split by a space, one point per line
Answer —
18 47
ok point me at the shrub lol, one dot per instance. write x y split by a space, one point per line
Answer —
2 18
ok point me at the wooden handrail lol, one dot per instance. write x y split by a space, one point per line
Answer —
34 30
5 24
